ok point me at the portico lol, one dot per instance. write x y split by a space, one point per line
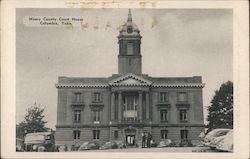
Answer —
130 99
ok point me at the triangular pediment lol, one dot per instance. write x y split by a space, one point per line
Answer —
130 79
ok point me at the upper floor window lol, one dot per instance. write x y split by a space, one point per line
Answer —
164 134
163 96
182 97
164 115
97 97
183 115
96 134
184 134
76 134
130 49
78 97
96 115
77 115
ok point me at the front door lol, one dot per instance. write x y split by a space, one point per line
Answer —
130 140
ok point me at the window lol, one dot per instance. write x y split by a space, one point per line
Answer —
96 115
184 134
164 115
96 134
76 134
116 134
163 96
183 115
48 137
130 49
182 97
77 115
164 134
130 103
78 97
97 97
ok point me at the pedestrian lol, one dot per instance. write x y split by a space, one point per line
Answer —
149 138
143 140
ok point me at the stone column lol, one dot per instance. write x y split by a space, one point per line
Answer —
140 106
119 106
147 105
112 106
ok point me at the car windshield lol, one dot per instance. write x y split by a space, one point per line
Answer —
108 143
217 133
221 133
84 144
34 138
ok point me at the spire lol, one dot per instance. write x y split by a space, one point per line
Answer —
129 15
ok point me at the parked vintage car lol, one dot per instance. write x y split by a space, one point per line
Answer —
214 134
40 141
185 143
120 144
62 148
19 144
109 145
226 144
91 145
166 143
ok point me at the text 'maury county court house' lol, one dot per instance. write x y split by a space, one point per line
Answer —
124 105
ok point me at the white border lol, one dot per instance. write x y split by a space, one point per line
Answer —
241 75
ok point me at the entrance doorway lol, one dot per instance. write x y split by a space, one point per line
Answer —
130 140
130 136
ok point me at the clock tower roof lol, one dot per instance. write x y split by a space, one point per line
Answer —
129 28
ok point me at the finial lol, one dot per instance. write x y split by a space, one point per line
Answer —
129 15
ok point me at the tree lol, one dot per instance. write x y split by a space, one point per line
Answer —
220 113
33 121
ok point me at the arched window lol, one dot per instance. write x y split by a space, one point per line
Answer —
130 29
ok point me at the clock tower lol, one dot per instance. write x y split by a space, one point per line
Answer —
129 39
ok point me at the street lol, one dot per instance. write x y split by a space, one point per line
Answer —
165 149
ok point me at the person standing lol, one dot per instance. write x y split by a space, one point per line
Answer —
149 140
143 140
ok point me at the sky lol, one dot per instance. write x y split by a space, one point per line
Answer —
175 43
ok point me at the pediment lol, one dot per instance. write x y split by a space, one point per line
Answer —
130 80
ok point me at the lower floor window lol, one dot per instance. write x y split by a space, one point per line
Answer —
96 134
116 134
76 134
164 134
184 134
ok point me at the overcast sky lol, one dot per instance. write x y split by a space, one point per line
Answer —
175 43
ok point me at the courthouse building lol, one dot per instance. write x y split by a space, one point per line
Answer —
124 105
